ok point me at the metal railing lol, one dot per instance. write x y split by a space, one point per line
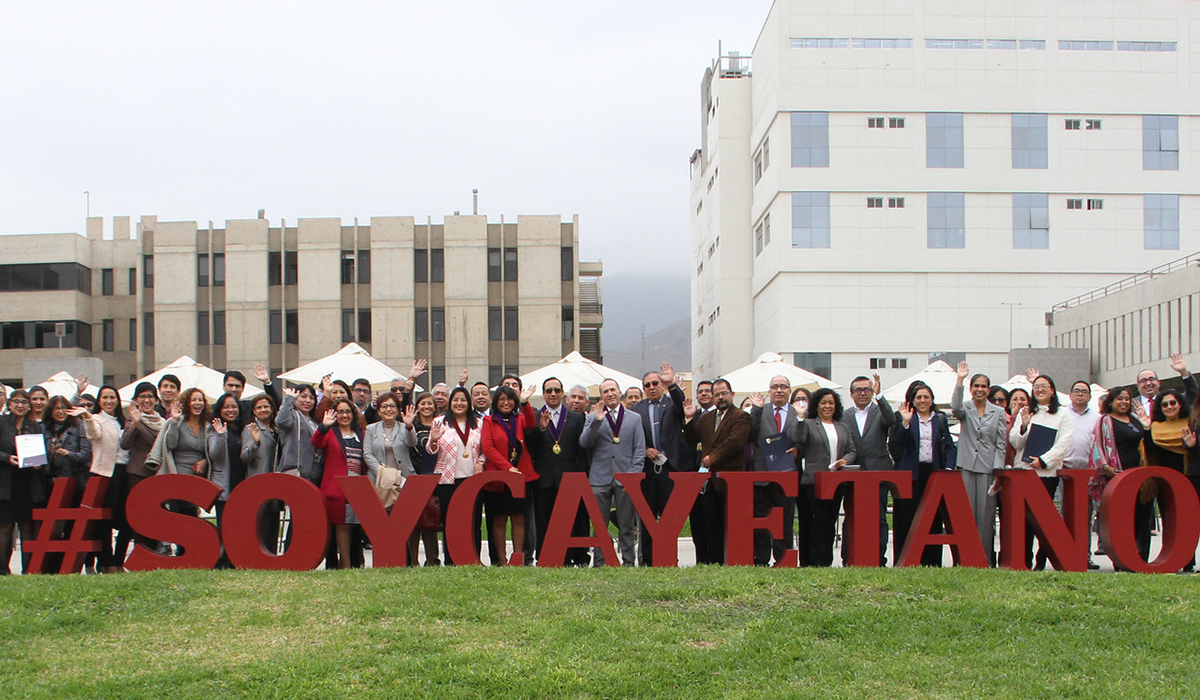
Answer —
1131 281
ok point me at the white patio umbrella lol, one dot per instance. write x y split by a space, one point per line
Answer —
755 378
63 384
347 364
191 374
940 377
577 369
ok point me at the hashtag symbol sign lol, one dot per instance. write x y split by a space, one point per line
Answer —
53 534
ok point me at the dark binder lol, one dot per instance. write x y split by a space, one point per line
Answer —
775 455
1039 442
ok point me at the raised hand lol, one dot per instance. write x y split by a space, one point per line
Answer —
1031 374
689 409
906 412
255 432
1026 416
598 410
527 392
1189 436
1140 413
544 420
218 426
134 413
436 430
261 373
80 412
410 414
1179 364
289 391
962 371
463 377
758 400
326 382
875 386
81 382
176 411
417 369
330 418
667 372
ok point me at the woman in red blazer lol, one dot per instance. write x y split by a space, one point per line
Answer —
341 436
504 449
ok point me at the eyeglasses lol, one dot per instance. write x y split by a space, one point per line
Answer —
1147 380
999 400
359 389
1170 404
651 383
1081 392
860 390
552 390
1041 386
387 407
345 412
780 387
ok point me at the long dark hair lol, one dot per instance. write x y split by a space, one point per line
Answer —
1011 394
312 412
505 390
1053 406
270 402
117 412
52 426
417 406
472 416
911 394
1107 402
216 411
358 423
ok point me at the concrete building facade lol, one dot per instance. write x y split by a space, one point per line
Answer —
465 293
884 183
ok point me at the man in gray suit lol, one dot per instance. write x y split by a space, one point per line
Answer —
613 436
768 422
869 421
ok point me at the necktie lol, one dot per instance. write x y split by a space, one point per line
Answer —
717 423
654 419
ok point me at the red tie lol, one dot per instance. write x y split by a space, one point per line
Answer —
778 420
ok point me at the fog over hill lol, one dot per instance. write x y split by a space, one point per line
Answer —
654 305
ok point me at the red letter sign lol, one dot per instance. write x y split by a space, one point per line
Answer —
740 522
144 512
1181 520
460 520
945 491
1065 536
572 492
389 533
862 508
310 527
679 505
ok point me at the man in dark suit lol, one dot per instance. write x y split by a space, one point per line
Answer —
1148 384
555 450
722 434
771 421
869 421
234 382
666 449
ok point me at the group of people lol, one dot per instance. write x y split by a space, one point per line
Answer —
320 433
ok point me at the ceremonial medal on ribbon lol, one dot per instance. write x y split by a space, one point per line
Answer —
615 426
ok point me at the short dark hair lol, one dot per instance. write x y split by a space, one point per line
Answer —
508 391
816 400
913 388
363 381
724 381
234 374
551 379
143 387
172 379
510 375
859 378
702 382
1084 382
986 378
1107 400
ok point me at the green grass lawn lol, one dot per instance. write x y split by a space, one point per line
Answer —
698 633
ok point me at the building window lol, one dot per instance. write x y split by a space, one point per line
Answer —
1031 220
274 268
943 140
878 363
218 328
810 139
954 44
148 330
510 264
1151 46
1092 124
202 328
437 265
816 362
106 282
495 373
1029 141
218 271
347 325
494 267
347 267
815 43
810 219
108 340
45 277
133 334
568 323
896 122
899 363
291 268
568 264
1085 46
874 122
364 266
1032 44
1094 204
1002 44
202 269
947 225
20 335
420 265
758 167
1074 204
766 152
1072 124
437 318
766 231
874 202
895 202
1161 219
1160 142
512 324
148 271
275 327
495 323
132 281
422 329
758 243
292 319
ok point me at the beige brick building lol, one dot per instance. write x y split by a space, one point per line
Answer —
465 293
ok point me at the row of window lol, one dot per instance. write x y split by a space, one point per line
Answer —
46 277
945 145
979 44
946 220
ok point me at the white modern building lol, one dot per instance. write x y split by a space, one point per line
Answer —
884 181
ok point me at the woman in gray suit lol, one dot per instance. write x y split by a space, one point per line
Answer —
825 445
982 441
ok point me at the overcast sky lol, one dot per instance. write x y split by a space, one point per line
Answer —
212 110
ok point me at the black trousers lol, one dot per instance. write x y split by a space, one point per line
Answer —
905 511
818 521
1051 485
766 549
657 489
708 526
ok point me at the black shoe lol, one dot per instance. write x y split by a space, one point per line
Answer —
1092 566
